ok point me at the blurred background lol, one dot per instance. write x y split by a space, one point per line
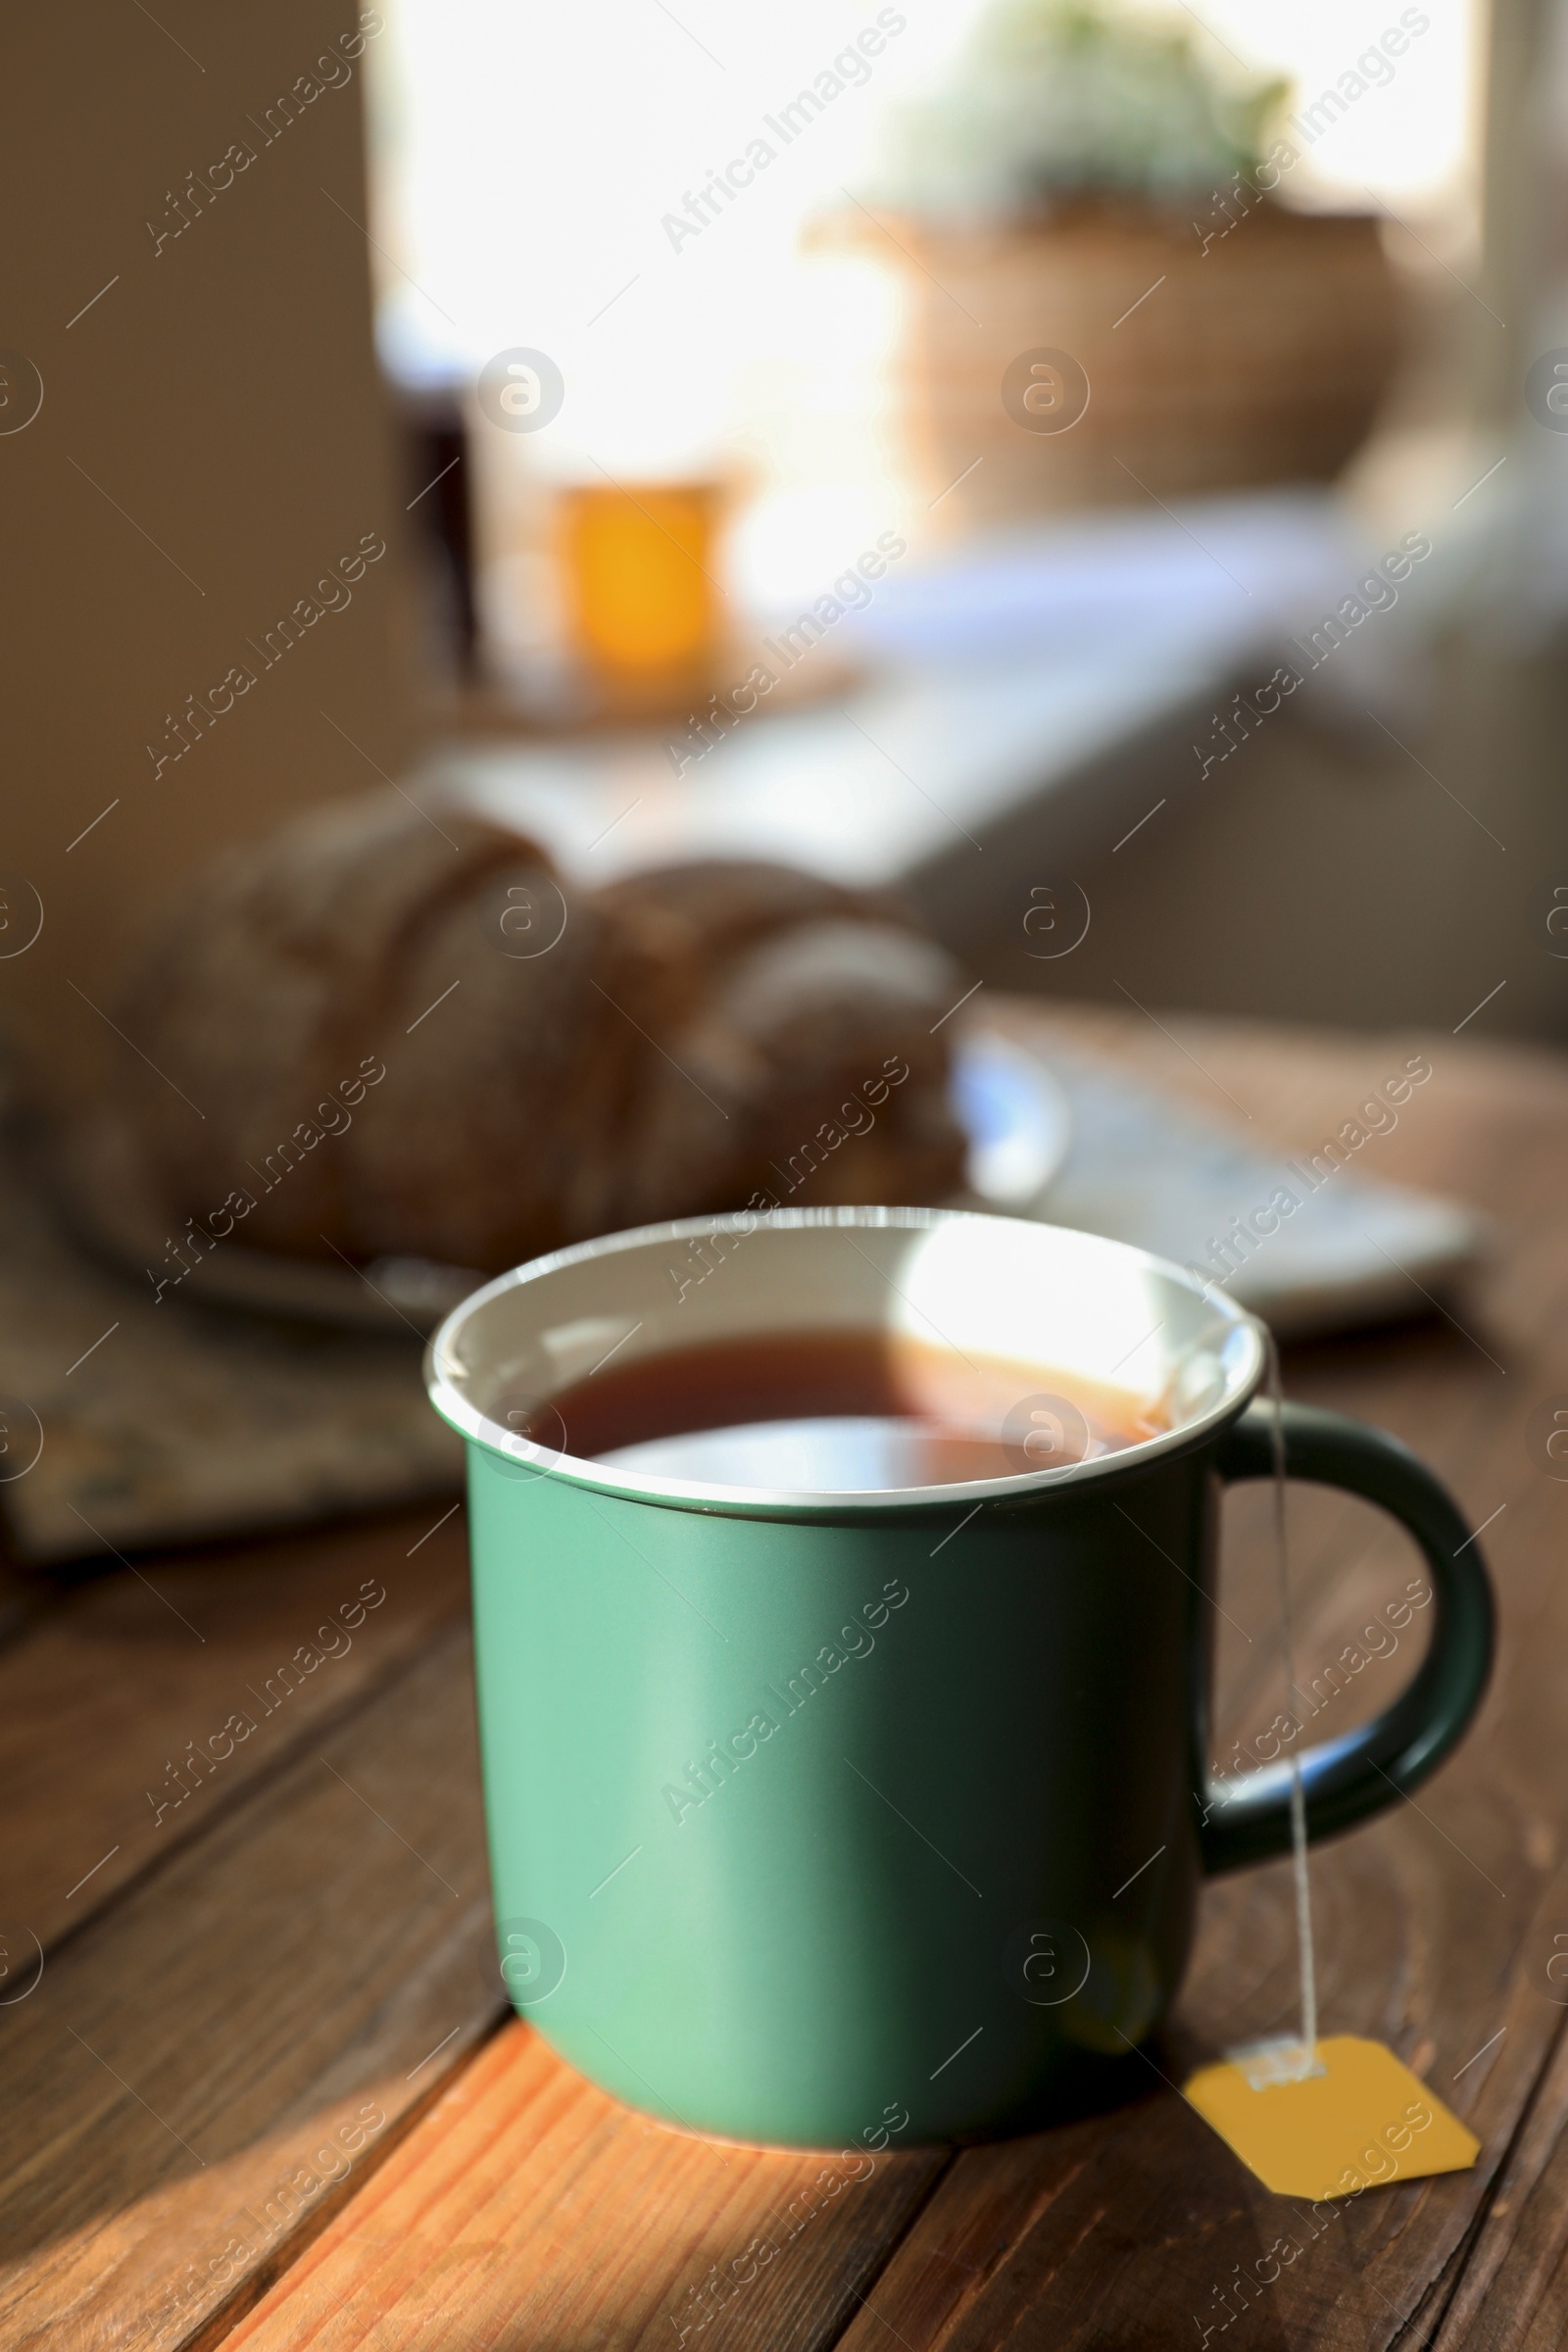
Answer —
629 334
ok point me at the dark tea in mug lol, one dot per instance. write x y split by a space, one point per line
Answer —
836 1411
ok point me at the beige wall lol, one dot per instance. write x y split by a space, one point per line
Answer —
221 397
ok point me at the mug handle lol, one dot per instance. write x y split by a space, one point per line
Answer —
1345 1780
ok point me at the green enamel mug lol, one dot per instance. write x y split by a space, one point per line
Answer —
809 1811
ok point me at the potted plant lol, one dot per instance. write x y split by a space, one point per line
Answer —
1107 294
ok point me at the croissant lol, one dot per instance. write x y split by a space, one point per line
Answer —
377 1034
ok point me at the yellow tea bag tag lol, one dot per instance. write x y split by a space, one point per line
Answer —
1358 2118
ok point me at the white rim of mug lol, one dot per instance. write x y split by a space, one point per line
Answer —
464 1415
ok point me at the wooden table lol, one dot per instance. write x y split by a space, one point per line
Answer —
264 2091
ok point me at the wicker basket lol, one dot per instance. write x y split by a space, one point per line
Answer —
1260 358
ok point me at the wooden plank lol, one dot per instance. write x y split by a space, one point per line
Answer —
202 2065
1433 1926
527 2208
1512 2292
107 1701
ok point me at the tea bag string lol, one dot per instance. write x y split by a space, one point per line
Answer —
1304 1892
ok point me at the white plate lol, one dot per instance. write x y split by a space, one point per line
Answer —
1147 1169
